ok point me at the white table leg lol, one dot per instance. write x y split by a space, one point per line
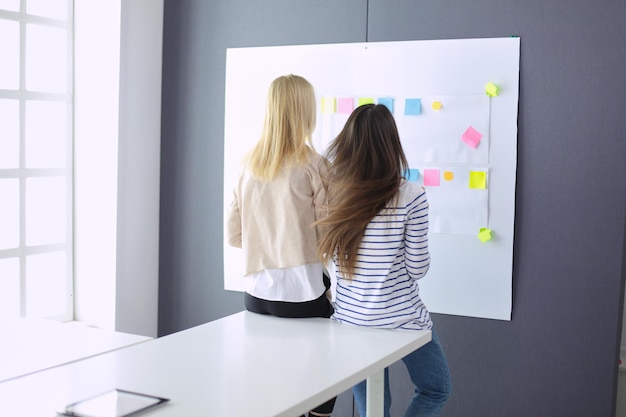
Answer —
375 403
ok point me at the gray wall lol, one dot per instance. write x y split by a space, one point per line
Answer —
558 355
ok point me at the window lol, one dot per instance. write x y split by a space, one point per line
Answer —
36 166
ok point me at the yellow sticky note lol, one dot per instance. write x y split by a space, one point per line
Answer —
484 234
366 100
329 105
436 105
491 89
478 180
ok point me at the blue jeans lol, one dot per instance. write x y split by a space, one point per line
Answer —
429 373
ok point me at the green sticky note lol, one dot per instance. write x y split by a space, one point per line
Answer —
491 89
366 100
484 234
478 180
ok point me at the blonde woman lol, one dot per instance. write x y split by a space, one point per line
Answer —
376 239
277 199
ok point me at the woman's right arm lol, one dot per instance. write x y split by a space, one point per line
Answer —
320 193
233 223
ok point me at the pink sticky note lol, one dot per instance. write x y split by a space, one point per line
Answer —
471 137
345 105
431 177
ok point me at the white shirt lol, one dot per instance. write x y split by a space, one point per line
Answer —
295 284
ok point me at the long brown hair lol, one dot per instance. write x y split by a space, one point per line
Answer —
366 168
289 123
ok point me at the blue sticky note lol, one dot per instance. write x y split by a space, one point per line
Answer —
412 106
412 174
386 101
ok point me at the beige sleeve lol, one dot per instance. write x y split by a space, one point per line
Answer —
320 195
233 223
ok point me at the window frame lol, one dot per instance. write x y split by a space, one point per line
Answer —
22 173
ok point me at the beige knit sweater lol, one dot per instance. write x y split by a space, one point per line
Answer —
272 220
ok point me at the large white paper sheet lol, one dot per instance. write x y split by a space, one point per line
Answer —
468 133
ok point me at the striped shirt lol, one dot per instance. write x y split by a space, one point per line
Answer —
393 255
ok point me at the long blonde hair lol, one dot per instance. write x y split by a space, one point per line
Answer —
287 129
366 170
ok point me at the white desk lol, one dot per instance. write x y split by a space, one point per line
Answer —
31 345
242 365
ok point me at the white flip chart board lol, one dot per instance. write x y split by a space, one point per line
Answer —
459 135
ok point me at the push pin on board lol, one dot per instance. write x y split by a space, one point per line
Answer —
491 89
484 234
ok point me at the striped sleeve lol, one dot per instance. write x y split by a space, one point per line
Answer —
416 253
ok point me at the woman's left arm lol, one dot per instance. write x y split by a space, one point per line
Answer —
417 255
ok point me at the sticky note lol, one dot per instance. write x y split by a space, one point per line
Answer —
448 175
345 105
431 177
366 100
478 180
329 105
412 106
484 234
386 101
412 174
471 137
436 105
491 89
